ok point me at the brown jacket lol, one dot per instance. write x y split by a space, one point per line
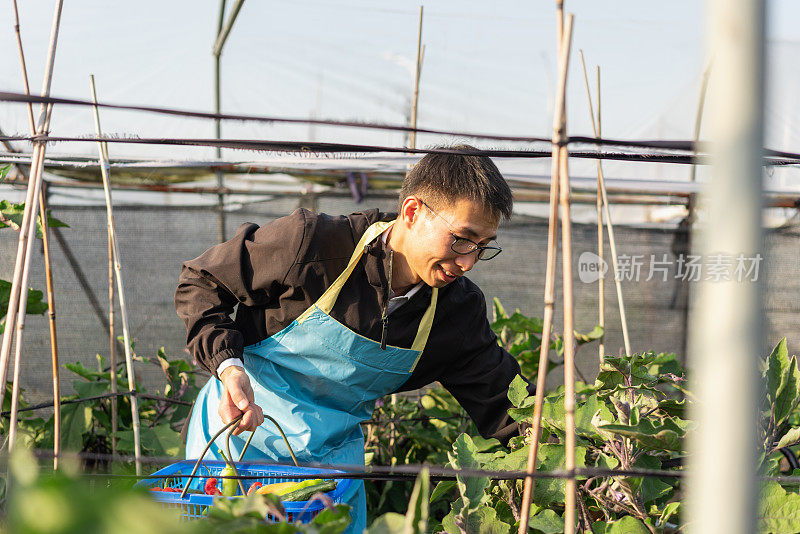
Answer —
276 271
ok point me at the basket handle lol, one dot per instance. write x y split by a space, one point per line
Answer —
231 428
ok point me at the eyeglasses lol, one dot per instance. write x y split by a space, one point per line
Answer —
464 246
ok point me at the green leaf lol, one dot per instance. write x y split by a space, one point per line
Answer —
553 414
667 435
547 522
168 440
486 445
596 333
550 491
90 389
509 461
499 310
668 511
518 323
777 365
11 215
666 362
526 411
254 506
465 456
484 520
626 525
788 393
617 371
389 523
441 490
4 172
331 520
792 437
517 391
676 408
83 372
649 488
416 520
35 306
76 419
778 511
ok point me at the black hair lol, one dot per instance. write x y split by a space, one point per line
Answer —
441 178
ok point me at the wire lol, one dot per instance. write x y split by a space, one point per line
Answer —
398 472
50 404
685 146
304 148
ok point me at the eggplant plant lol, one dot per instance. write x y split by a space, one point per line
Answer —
633 416
11 217
86 426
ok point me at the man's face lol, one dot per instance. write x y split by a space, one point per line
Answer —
432 231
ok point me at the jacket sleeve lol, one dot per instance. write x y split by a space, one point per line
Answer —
251 268
482 372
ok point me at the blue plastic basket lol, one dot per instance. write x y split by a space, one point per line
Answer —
195 506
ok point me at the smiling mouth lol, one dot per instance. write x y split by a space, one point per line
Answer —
447 275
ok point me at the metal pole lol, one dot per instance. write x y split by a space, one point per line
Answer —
118 271
219 44
218 151
722 487
222 33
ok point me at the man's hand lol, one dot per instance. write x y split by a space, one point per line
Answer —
237 399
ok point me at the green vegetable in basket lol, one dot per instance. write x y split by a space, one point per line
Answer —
310 487
228 484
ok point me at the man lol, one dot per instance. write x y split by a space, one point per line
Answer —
336 312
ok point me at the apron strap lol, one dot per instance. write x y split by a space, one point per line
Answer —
425 326
328 299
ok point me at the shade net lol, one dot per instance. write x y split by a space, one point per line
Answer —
155 240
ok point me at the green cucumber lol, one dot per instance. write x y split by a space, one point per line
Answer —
303 494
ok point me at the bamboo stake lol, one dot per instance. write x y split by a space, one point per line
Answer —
601 190
569 318
412 137
18 301
610 228
51 305
698 120
549 296
112 346
31 120
118 271
601 281
51 313
22 305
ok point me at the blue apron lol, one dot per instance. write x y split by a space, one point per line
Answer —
319 380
